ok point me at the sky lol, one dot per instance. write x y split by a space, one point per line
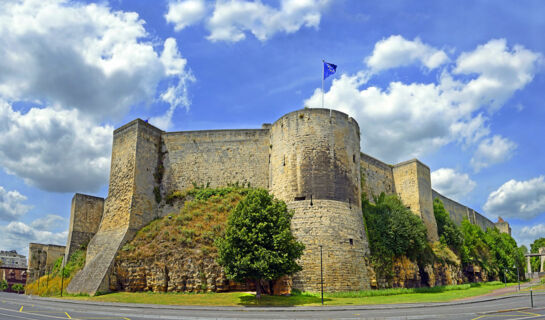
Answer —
457 84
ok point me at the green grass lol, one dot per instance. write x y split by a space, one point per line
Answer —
437 294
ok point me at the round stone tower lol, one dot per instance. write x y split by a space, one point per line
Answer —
315 169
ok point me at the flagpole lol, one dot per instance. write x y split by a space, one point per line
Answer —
323 64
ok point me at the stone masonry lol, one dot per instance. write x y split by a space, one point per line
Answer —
85 215
41 258
309 158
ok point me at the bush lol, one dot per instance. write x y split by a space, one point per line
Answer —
3 285
18 288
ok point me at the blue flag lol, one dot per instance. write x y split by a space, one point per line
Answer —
329 69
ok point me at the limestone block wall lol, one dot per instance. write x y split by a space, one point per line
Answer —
215 157
413 185
41 258
458 212
338 228
315 169
130 203
503 226
313 154
85 215
377 177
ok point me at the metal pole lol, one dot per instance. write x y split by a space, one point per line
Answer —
531 298
321 275
518 276
62 278
505 277
323 65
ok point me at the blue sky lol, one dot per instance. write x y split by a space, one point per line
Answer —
456 84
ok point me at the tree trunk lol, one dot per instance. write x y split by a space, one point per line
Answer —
258 288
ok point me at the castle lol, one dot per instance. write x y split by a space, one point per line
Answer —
309 158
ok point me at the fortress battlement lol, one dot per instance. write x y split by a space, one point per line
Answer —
309 158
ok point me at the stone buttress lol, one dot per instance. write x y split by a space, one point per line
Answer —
129 206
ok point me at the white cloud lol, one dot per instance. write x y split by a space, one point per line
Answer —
17 235
517 199
501 71
50 222
451 183
54 149
404 121
185 13
79 64
80 56
231 20
492 151
528 234
396 51
12 205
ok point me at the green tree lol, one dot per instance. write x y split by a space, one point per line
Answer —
258 243
474 250
18 288
534 248
449 233
3 285
393 231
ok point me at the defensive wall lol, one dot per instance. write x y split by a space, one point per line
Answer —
41 258
85 215
309 158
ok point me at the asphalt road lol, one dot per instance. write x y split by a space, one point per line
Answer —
15 307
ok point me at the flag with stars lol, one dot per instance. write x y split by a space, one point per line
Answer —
329 69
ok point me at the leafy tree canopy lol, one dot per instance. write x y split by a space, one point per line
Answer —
449 233
393 231
258 243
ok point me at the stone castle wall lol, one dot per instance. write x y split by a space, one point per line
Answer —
42 258
413 185
85 215
309 158
459 212
315 169
130 204
377 177
215 158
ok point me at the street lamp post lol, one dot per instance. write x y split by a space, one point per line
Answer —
321 275
518 274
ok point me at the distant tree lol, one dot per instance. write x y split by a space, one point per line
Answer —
18 288
449 233
534 248
258 243
3 285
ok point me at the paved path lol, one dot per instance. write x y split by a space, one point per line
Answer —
512 307
505 291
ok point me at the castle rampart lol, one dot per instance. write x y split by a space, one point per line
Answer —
413 185
41 258
215 157
130 203
458 212
309 158
85 215
377 177
315 169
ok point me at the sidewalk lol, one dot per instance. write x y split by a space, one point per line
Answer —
504 291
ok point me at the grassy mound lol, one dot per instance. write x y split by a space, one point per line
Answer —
201 220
